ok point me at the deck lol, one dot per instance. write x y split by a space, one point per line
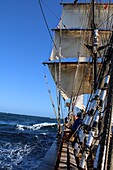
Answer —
60 156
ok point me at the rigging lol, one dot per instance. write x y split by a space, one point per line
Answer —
46 23
50 95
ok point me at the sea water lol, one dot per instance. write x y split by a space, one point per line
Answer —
24 140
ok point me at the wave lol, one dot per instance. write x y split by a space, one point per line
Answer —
35 126
7 123
14 155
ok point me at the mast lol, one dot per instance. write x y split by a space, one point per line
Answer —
95 43
59 87
59 83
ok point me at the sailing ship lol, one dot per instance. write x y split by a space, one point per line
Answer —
81 64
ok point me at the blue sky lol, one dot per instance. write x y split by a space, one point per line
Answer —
24 45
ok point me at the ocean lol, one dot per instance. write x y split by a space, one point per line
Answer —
24 140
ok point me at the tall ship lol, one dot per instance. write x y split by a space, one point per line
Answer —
81 64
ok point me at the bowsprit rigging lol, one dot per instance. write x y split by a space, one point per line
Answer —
81 64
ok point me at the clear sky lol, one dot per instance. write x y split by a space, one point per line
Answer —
24 44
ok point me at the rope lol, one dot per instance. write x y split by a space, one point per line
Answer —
105 140
47 24
50 10
50 95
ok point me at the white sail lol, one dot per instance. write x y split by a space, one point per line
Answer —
79 103
72 35
71 38
71 45
80 15
69 85
74 16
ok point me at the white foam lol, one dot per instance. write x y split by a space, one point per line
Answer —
44 134
35 126
44 124
19 127
13 155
